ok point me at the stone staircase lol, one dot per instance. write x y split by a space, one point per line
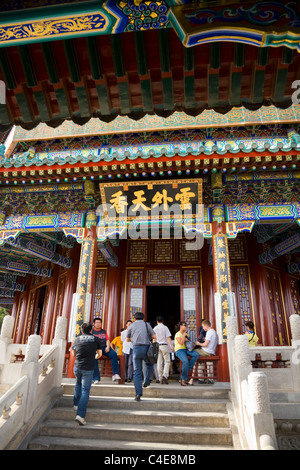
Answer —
168 417
285 407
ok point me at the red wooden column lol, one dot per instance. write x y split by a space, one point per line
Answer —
23 310
85 281
50 305
262 307
223 290
115 292
71 281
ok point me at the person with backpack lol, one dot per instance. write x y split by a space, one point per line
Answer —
140 334
252 337
85 347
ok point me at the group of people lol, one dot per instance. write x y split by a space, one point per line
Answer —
89 347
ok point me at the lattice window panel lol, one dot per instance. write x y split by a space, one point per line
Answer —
241 288
237 249
295 295
59 302
191 277
189 311
136 277
163 251
156 277
136 300
99 296
138 251
187 256
277 310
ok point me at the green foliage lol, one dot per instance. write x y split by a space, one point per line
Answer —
3 313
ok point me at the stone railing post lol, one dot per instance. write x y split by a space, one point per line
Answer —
295 357
242 356
232 332
6 336
30 368
295 327
60 340
260 411
241 369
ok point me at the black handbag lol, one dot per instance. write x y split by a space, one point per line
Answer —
152 353
153 350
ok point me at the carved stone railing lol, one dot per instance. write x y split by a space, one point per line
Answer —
36 378
254 372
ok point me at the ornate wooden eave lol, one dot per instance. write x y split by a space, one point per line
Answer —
100 69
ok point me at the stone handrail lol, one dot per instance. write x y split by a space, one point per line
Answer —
39 378
250 386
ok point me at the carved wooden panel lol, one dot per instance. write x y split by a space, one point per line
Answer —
242 289
163 251
59 301
190 277
187 256
295 295
44 315
237 249
277 308
190 311
138 251
29 315
136 300
99 297
156 277
135 277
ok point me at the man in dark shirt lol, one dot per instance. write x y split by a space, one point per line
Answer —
85 348
106 351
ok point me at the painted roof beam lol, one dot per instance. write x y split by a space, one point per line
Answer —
39 251
14 286
281 249
106 250
21 269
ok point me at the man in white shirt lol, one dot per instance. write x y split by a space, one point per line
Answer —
163 337
208 348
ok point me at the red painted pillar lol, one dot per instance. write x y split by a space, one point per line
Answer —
50 305
23 309
223 288
261 300
115 293
85 283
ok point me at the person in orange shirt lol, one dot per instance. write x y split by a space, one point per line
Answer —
117 344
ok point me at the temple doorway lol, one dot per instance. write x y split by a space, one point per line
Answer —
164 301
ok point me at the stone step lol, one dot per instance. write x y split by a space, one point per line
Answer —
157 391
169 417
65 443
142 416
166 404
138 432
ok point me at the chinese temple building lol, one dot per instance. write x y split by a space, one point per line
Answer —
114 109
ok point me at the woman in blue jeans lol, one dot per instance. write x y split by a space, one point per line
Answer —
182 353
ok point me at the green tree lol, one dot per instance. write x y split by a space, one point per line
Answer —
3 313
